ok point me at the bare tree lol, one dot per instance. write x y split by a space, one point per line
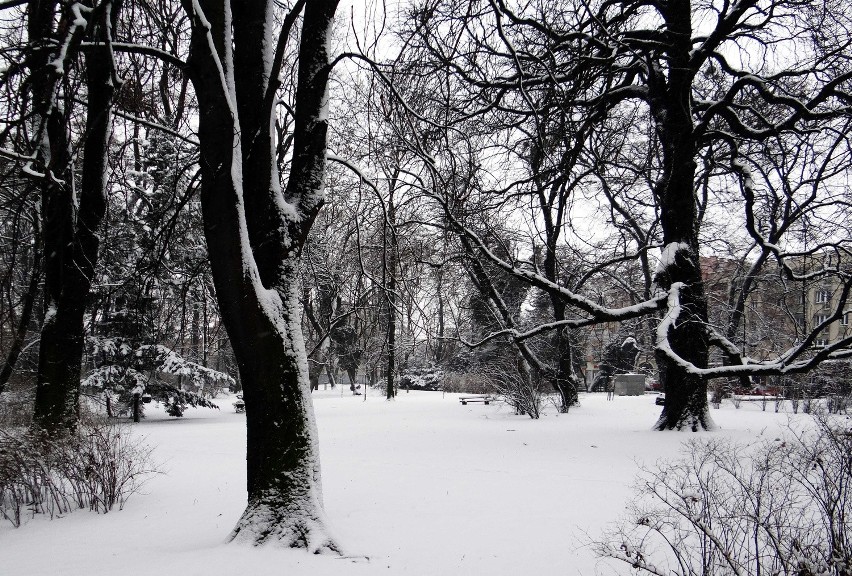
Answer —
71 215
672 94
255 233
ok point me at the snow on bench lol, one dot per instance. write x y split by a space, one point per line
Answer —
484 398
755 398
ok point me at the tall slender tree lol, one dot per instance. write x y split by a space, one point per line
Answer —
71 216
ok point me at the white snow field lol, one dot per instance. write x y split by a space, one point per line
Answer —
418 486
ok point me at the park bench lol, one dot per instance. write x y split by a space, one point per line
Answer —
484 398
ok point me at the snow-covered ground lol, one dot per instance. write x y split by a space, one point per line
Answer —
419 486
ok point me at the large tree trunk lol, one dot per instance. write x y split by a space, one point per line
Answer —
282 455
70 224
52 408
255 233
686 393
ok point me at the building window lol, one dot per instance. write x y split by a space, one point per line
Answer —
844 320
822 296
820 318
821 342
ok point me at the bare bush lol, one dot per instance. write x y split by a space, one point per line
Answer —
16 405
774 507
97 468
838 403
517 386
466 383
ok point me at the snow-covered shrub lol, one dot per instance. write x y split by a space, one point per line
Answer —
98 467
781 506
426 377
152 369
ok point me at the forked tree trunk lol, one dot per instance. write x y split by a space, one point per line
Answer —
255 233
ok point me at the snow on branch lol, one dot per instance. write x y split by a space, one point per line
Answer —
75 30
227 85
168 361
118 355
792 361
668 255
105 377
130 48
597 311
28 158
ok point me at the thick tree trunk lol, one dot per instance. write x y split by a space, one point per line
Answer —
282 455
71 243
686 393
390 390
52 408
320 356
315 368
195 333
332 375
255 233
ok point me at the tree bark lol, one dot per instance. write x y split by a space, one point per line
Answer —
255 235
670 101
